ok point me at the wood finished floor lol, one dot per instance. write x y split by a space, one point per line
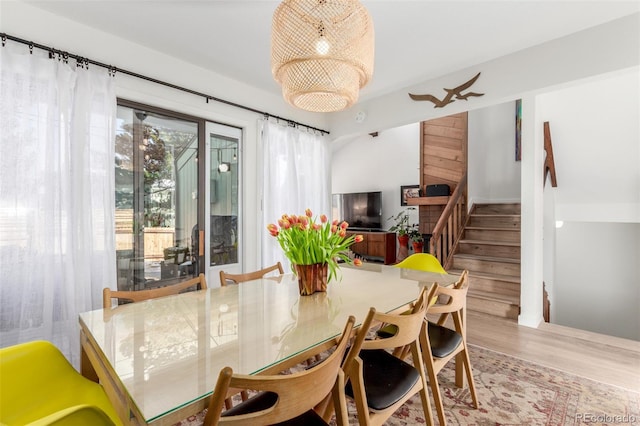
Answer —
602 358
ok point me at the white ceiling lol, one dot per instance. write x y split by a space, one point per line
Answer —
415 40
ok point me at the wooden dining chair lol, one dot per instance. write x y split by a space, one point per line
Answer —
441 344
419 262
289 398
140 295
378 380
248 276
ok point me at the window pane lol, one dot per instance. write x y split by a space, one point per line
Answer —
224 199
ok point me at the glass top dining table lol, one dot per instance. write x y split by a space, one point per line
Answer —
159 359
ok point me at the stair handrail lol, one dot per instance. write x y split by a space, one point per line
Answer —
450 224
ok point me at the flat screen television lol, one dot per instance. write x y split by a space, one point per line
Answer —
361 210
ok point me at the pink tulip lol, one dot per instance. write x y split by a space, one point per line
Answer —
308 212
358 239
323 218
334 228
342 233
344 225
357 262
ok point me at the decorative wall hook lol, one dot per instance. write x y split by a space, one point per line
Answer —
549 164
457 92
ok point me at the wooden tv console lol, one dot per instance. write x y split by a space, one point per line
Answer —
377 246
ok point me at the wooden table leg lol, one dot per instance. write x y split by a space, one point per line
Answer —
86 368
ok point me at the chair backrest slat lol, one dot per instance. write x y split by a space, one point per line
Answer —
453 298
140 295
248 276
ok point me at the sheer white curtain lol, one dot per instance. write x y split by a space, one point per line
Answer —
297 176
57 252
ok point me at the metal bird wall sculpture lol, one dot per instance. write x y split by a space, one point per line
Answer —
457 92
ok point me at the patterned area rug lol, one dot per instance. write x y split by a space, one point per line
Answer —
512 391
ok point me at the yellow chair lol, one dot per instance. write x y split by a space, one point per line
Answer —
40 387
419 262
422 262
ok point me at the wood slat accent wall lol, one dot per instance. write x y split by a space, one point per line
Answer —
443 150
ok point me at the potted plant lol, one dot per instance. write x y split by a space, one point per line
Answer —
314 249
401 227
417 240
401 223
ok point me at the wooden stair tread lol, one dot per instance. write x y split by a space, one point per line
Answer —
504 298
486 258
509 278
495 214
491 242
492 228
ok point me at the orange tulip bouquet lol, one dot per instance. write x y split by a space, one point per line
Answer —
305 241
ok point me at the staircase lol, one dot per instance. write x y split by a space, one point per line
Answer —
490 250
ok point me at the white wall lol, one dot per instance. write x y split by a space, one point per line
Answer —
595 133
597 286
494 174
381 163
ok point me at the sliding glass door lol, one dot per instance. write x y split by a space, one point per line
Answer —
178 209
156 172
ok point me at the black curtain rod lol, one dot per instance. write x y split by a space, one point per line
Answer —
82 61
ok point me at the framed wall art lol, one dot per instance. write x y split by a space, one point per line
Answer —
518 129
408 191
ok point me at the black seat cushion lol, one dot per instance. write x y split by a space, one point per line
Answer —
309 418
443 340
264 400
386 378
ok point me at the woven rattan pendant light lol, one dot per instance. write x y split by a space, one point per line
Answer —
322 52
